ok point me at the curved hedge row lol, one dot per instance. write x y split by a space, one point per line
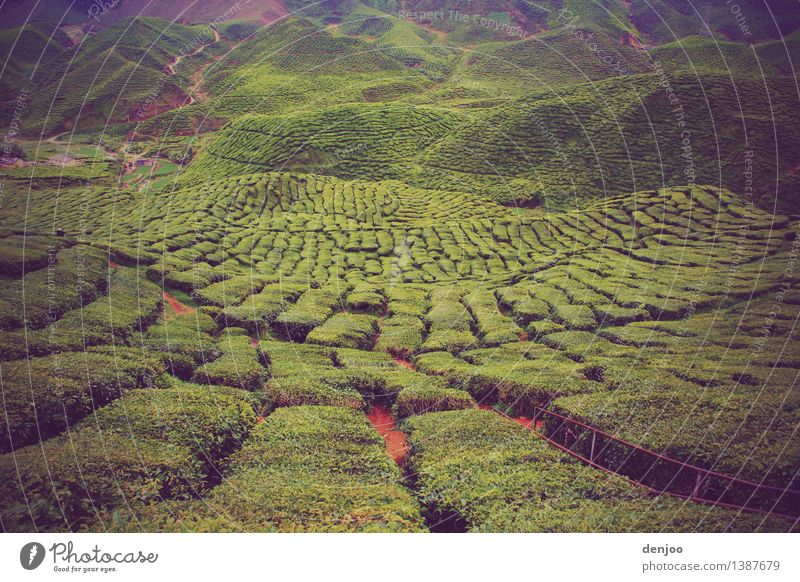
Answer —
44 396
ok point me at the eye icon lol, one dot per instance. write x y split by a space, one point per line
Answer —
31 555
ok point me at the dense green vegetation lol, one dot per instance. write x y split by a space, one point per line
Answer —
481 473
228 249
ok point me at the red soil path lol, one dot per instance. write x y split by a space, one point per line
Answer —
178 307
521 420
403 362
396 445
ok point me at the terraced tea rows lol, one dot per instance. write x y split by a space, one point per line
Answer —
369 244
639 304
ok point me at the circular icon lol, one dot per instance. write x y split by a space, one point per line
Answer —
31 555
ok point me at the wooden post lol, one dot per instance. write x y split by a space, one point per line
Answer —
697 483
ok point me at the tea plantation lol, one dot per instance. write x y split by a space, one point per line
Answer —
349 215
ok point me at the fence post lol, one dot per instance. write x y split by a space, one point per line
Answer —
591 452
697 483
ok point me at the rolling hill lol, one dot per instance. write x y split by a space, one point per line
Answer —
337 266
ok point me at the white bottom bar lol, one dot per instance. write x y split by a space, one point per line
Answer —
386 558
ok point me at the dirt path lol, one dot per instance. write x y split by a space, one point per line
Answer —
407 364
396 445
179 58
177 307
521 420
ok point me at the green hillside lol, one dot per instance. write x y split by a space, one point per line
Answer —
29 50
341 271
619 135
120 74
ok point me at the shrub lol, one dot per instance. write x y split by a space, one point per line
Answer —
44 396
450 340
643 410
574 316
494 328
289 359
404 300
327 471
310 311
209 423
480 472
610 314
25 254
77 275
132 304
65 482
516 382
400 335
538 329
183 342
345 330
430 398
230 291
240 365
529 309
261 309
359 359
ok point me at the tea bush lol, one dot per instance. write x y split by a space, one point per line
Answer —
44 396
327 471
484 473
241 365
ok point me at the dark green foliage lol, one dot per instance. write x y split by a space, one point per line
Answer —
121 71
449 324
492 475
260 309
183 342
400 335
25 254
345 330
209 422
428 397
76 276
306 374
65 482
427 227
230 291
131 304
366 300
44 396
310 311
519 376
494 328
241 365
326 470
